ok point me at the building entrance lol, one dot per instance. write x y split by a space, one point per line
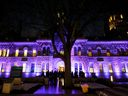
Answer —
61 66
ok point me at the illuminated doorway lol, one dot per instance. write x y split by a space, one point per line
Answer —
61 67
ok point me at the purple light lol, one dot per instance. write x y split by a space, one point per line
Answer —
106 74
7 75
26 74
33 66
126 74
38 74
97 74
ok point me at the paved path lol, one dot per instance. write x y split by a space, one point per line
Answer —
56 90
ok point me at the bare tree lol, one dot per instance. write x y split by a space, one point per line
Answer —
67 21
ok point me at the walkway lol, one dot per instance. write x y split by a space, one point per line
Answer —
56 90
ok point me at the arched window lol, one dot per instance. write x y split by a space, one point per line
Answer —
76 67
25 51
123 67
43 66
47 67
110 68
44 51
75 51
17 53
79 51
98 51
119 53
48 51
4 52
80 67
91 69
108 52
101 67
32 67
89 51
34 52
122 51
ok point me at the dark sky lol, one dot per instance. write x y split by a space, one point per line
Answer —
18 17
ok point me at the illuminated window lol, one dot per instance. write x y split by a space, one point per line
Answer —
2 70
108 53
0 52
89 52
123 67
110 68
62 51
16 52
25 52
121 16
7 53
115 20
24 67
101 67
4 53
79 51
91 69
34 53
58 14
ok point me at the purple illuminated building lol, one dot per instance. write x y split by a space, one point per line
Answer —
106 57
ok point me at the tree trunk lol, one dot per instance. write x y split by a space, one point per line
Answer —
68 78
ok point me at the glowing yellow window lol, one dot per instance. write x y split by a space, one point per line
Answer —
2 70
34 53
4 53
79 53
25 52
108 53
90 54
91 70
62 52
110 68
0 52
17 52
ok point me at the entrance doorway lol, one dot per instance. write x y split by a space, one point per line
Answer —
61 67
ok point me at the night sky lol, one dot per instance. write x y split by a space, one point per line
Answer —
26 19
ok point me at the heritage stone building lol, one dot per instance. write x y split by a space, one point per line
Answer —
105 57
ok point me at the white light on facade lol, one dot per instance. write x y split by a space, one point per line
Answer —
7 53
